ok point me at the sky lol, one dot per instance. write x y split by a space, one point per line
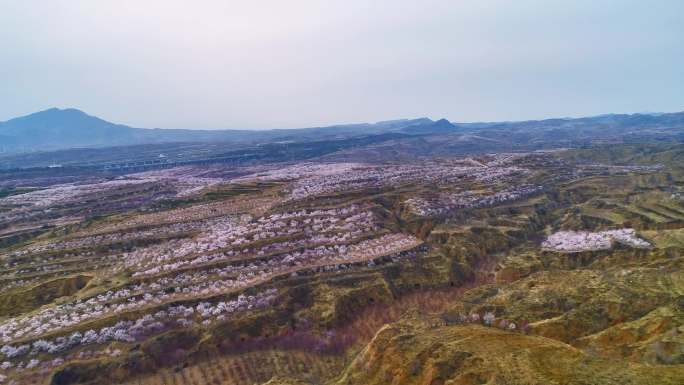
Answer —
260 64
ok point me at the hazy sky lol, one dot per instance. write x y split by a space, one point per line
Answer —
277 63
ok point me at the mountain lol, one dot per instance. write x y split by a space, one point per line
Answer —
57 129
610 122
67 129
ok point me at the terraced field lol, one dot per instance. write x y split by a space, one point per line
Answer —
250 368
311 272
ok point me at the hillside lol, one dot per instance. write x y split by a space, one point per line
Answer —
559 267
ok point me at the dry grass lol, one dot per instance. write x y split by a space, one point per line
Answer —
250 368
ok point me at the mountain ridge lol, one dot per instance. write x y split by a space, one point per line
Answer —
58 129
61 129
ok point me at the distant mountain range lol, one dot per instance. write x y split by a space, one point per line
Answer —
57 129
71 137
